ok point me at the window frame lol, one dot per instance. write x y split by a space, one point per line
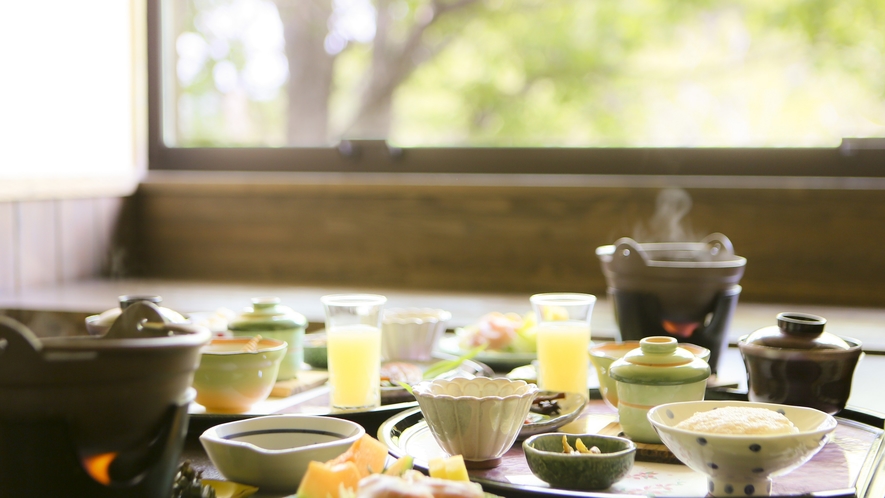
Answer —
854 158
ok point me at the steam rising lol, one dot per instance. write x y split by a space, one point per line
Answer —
669 222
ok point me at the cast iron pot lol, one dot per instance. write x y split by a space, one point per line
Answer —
112 392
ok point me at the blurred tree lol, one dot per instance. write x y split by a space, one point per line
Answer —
539 72
394 58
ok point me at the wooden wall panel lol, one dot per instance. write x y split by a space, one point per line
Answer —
8 247
107 259
77 238
803 246
43 243
39 252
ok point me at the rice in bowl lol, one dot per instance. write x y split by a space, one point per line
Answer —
739 420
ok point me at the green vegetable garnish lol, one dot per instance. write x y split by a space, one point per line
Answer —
444 366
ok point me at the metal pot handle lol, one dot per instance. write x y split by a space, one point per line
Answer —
19 347
718 246
628 254
129 324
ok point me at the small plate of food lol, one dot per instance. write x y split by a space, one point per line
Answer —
508 338
551 410
396 373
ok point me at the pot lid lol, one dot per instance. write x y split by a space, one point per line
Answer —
659 361
796 331
267 314
108 317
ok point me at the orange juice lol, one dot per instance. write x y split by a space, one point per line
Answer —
562 356
354 366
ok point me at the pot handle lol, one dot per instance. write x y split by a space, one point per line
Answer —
19 347
718 247
129 324
628 254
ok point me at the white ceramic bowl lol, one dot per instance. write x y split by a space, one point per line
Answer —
742 465
272 452
477 418
411 333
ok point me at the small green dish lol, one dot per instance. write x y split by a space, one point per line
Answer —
579 471
315 352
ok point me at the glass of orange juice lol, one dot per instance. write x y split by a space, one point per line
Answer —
563 338
353 332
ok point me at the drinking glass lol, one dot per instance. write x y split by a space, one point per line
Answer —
563 336
354 348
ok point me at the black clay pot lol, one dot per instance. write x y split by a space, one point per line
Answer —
112 394
685 290
797 363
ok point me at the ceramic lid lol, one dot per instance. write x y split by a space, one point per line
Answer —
659 361
796 331
267 313
108 317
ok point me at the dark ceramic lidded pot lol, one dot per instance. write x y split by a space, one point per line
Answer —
796 363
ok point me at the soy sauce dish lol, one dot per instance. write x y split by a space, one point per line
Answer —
272 452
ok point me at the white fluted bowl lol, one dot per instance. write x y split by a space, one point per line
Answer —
412 333
477 418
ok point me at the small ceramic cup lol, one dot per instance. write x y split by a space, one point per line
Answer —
232 376
411 334
477 418
602 356
658 372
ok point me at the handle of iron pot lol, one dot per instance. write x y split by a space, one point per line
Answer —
628 255
128 324
718 246
19 349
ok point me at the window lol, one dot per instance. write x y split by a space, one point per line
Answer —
70 99
638 86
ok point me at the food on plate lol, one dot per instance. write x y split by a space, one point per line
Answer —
367 453
400 466
189 482
323 480
546 404
359 472
415 485
503 332
527 373
739 420
394 372
451 468
580 447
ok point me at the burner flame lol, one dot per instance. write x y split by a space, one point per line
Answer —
97 466
680 329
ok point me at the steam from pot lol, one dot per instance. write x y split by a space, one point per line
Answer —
669 222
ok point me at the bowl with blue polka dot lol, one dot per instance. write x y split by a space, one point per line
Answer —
742 464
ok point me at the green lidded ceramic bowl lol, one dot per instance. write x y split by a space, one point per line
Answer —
603 355
268 318
583 471
658 372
